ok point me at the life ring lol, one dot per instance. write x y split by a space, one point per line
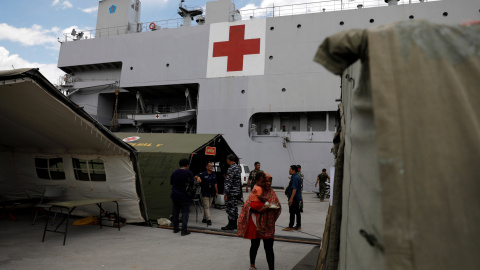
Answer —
152 26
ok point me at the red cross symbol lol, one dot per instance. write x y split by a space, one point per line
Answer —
236 47
157 116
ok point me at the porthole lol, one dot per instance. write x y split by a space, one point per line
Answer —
342 23
299 26
270 57
167 65
131 68
241 125
411 17
445 14
372 20
243 91
271 28
284 90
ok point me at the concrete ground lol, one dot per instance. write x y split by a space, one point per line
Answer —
140 247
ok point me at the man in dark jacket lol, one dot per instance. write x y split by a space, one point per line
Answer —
181 201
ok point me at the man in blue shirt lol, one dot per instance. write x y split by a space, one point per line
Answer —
294 194
209 190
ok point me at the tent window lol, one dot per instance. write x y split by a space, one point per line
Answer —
89 170
50 168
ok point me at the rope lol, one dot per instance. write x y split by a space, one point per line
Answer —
114 125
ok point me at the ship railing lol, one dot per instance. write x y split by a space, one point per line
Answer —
315 7
79 34
123 114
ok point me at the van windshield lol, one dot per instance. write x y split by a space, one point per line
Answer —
246 169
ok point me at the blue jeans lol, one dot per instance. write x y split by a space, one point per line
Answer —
177 207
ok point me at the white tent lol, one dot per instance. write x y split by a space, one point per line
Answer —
46 139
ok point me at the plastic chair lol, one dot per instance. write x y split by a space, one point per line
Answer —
51 194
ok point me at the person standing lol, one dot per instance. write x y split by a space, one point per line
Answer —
251 176
294 194
181 201
265 217
209 190
233 188
322 178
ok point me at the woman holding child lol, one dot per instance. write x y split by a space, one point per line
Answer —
257 219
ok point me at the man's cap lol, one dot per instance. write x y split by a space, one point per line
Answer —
268 176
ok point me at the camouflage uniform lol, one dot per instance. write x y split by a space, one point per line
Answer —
233 190
323 177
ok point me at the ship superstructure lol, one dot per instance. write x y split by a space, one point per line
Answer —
246 74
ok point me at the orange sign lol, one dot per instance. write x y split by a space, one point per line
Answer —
210 151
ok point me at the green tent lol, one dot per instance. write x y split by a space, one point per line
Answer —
158 157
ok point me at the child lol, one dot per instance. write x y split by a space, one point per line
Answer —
257 191
256 198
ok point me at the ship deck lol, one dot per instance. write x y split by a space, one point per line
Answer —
141 247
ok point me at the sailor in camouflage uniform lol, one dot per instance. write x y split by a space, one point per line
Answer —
233 190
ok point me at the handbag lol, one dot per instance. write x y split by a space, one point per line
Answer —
288 188
190 190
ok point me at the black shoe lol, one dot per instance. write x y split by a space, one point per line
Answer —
230 226
209 222
185 233
176 230
204 220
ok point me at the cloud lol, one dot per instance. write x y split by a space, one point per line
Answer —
90 10
282 8
7 60
33 36
63 5
150 3
66 4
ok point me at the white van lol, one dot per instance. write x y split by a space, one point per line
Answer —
245 173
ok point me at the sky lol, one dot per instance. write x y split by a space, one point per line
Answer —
29 29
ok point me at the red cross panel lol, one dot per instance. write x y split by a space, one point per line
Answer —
236 47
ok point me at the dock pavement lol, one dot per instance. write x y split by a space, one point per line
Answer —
143 247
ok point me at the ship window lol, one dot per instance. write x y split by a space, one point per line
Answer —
271 57
243 91
50 168
317 121
271 28
342 23
241 125
299 26
445 14
89 170
284 90
131 68
167 64
411 17
372 20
